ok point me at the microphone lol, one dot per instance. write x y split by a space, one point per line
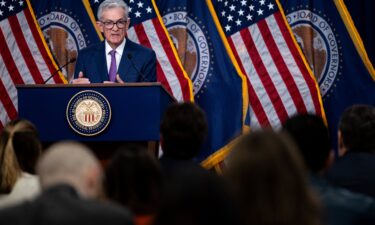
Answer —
72 60
130 56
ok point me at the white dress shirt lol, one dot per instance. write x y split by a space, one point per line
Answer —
119 51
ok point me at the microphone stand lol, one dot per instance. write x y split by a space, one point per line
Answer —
72 60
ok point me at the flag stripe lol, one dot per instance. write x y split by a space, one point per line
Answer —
13 59
182 82
7 67
161 77
8 83
291 89
254 80
280 79
142 37
21 42
21 61
163 58
281 92
281 96
254 120
7 57
166 67
254 100
42 49
261 70
297 57
37 51
296 74
4 118
7 102
132 35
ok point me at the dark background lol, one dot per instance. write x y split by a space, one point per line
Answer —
363 15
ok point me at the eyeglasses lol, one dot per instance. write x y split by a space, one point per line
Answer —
110 24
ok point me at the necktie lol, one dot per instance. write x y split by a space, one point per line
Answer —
112 68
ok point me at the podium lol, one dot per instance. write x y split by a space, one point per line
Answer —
134 112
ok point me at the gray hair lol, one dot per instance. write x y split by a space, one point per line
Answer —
110 4
66 162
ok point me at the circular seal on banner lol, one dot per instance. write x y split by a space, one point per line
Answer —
193 47
64 36
323 52
88 113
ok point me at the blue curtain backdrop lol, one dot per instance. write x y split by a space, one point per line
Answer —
362 12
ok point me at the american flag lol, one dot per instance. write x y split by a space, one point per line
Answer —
148 30
24 58
280 83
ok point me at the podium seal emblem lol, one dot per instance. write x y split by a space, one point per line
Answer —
88 113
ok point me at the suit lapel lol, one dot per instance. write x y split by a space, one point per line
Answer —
101 62
125 64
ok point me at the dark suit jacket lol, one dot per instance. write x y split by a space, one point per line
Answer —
92 62
342 207
61 205
354 171
174 167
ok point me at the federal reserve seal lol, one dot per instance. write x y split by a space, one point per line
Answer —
319 44
88 113
193 46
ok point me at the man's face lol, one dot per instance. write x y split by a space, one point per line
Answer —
116 34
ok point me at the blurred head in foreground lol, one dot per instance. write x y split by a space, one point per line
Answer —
269 177
73 164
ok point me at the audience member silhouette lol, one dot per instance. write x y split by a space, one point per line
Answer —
71 178
269 177
183 130
197 197
341 206
20 148
355 170
134 179
192 195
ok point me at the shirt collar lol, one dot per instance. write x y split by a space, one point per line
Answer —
119 49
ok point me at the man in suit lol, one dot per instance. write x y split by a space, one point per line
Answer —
355 169
117 59
70 177
340 206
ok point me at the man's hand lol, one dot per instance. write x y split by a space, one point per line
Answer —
118 79
81 79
